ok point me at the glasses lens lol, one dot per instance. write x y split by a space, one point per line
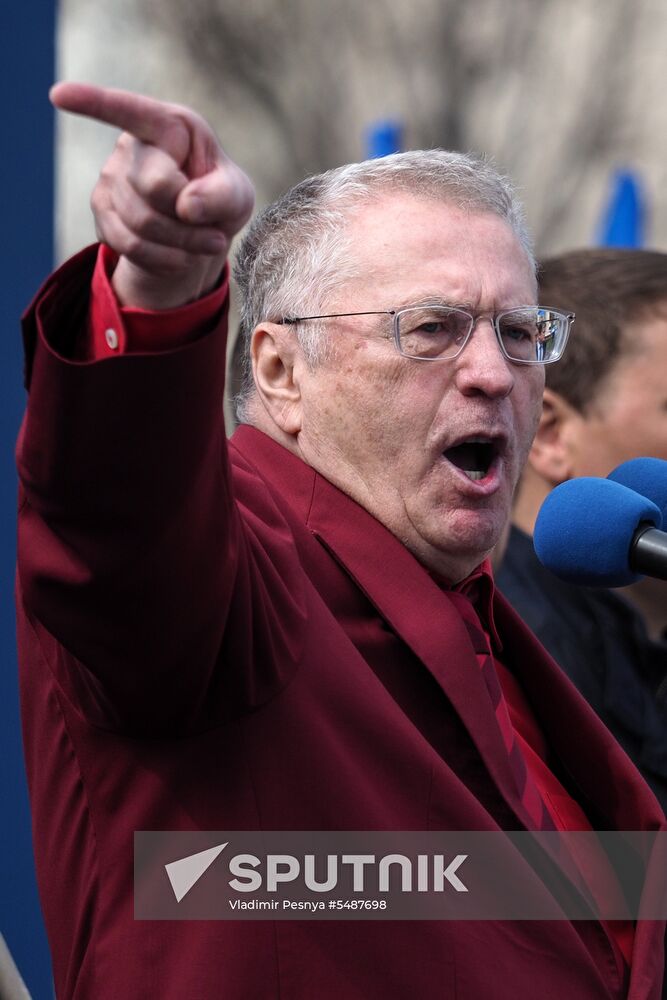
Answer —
432 331
533 334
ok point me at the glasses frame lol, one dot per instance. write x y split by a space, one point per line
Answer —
474 319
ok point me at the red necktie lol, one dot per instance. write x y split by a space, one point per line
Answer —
529 794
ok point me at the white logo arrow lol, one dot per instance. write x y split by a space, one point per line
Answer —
186 871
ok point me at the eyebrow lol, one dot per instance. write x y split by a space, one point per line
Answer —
437 299
434 300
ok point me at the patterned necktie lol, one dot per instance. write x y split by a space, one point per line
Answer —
529 794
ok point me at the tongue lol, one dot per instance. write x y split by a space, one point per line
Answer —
466 456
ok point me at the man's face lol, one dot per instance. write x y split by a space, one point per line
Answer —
396 434
628 417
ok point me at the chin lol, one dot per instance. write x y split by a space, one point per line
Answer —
476 530
468 540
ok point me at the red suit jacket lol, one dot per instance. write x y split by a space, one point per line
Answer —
219 639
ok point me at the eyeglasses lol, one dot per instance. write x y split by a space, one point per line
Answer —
527 335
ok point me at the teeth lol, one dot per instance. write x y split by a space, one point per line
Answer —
474 473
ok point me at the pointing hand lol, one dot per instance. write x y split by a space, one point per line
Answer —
168 201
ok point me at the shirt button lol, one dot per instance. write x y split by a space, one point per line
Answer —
111 338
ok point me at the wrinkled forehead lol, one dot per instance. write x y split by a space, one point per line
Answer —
402 248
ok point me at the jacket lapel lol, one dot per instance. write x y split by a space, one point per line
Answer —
401 590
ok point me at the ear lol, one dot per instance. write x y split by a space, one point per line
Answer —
550 456
275 356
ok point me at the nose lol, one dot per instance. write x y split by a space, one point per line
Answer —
482 367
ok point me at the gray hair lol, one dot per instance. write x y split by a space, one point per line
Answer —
296 252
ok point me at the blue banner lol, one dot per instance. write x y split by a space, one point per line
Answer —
26 167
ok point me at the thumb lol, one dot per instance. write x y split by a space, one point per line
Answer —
223 197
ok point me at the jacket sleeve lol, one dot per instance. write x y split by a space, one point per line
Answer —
132 555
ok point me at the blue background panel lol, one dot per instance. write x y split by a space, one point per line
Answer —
27 31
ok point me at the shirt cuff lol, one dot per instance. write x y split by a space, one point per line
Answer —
114 329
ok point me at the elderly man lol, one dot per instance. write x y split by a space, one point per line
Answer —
297 631
605 404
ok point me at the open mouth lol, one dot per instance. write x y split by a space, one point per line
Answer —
473 456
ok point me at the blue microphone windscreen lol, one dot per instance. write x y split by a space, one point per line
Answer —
647 476
584 530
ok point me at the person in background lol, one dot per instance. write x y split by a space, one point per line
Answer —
605 403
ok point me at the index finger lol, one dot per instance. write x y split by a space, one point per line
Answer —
147 119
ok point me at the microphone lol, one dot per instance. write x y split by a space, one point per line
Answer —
647 476
600 533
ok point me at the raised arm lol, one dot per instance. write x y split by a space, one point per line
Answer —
129 537
169 201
